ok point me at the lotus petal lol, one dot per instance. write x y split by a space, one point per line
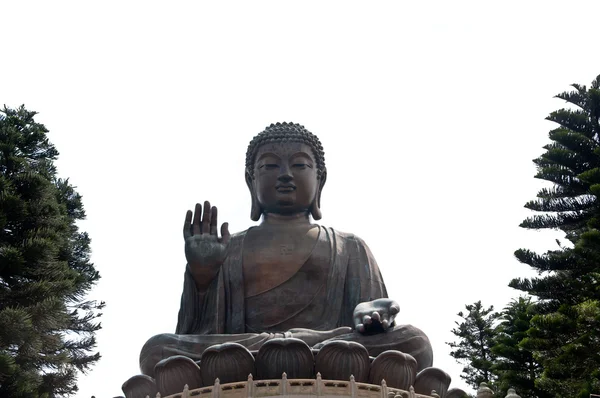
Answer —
339 359
139 387
289 355
173 373
456 393
396 368
230 362
430 379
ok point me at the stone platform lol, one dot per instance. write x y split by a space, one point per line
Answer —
289 367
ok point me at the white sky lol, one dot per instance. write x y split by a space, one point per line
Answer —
429 112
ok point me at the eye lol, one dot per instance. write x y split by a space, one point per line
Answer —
301 165
269 166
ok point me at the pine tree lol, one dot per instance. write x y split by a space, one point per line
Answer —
476 335
46 325
515 366
567 341
568 285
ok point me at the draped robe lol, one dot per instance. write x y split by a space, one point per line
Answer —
340 273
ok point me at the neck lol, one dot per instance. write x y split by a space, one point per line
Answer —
285 219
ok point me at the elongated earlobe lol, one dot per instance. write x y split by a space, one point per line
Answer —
255 210
315 209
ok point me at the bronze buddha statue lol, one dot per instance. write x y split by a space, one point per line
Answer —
286 277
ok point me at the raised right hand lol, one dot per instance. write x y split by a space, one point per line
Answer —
205 252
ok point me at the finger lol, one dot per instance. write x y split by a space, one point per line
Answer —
394 309
391 320
375 315
225 233
360 328
342 330
384 321
206 218
196 223
367 320
213 221
187 225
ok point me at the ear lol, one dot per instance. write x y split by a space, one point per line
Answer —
255 210
315 209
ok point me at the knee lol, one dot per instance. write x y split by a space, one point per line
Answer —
415 342
154 351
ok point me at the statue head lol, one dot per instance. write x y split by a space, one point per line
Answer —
285 171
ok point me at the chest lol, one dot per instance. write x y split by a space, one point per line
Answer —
272 257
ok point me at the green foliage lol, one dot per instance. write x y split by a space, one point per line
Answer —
567 341
476 333
564 333
515 365
46 327
572 163
550 347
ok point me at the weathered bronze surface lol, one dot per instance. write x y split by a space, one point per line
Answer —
228 362
458 393
286 277
175 372
399 370
288 355
140 386
432 379
339 360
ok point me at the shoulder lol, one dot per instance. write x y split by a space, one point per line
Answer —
240 234
237 238
354 248
347 237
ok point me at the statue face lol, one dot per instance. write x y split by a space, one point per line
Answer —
285 177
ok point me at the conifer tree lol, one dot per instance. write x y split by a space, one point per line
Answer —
47 326
514 365
476 333
567 289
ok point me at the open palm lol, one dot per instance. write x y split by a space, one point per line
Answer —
205 251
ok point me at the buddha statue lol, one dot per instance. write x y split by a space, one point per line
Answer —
287 276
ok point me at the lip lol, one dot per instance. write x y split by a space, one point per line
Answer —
285 188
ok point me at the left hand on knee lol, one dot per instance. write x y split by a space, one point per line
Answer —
375 316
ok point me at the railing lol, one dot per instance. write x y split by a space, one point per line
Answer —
285 387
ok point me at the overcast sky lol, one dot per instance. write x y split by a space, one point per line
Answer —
430 113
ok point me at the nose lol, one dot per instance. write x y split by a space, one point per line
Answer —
284 174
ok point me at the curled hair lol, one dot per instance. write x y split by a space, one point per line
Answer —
286 132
